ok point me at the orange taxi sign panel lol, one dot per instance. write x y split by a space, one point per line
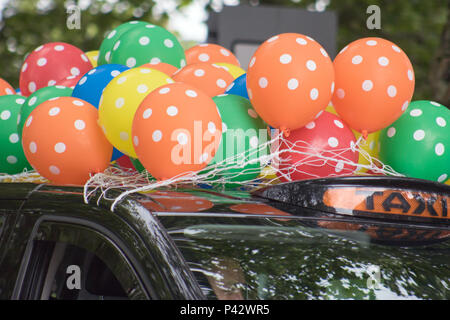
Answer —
388 201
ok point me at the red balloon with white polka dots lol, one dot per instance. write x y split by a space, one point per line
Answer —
51 63
324 147
70 81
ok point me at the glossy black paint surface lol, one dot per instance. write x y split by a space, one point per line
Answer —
169 235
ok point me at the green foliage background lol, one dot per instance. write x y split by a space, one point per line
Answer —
417 26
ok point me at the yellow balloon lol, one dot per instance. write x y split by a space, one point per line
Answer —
331 109
93 57
448 182
371 146
235 71
120 100
268 173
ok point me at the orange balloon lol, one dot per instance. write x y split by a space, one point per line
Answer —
176 129
211 53
161 66
63 142
290 80
171 201
211 79
5 88
374 84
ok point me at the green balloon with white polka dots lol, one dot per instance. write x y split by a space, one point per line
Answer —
418 143
12 158
36 98
104 54
243 136
147 44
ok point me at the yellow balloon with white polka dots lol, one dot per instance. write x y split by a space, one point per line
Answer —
120 100
232 69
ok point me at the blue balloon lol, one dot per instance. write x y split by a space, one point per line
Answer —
90 87
116 154
18 92
239 86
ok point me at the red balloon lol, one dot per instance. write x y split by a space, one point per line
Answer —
50 63
326 136
70 81
374 173
125 162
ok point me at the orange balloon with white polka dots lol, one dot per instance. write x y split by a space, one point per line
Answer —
374 84
120 100
63 142
290 79
161 66
176 130
5 88
211 53
210 78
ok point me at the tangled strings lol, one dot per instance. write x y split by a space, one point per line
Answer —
229 171
25 176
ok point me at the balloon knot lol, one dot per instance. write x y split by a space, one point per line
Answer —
365 134
286 132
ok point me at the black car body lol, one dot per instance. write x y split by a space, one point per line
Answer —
309 240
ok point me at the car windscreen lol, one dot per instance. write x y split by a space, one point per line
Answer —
285 259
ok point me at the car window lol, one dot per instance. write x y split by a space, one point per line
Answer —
73 262
77 274
288 261
61 271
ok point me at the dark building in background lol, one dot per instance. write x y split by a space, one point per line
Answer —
243 28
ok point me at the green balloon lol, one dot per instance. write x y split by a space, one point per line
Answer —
12 158
243 133
140 168
418 143
36 98
104 54
137 165
147 44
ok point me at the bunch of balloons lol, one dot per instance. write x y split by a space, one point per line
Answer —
143 101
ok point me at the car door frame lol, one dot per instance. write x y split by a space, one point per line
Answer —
134 265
